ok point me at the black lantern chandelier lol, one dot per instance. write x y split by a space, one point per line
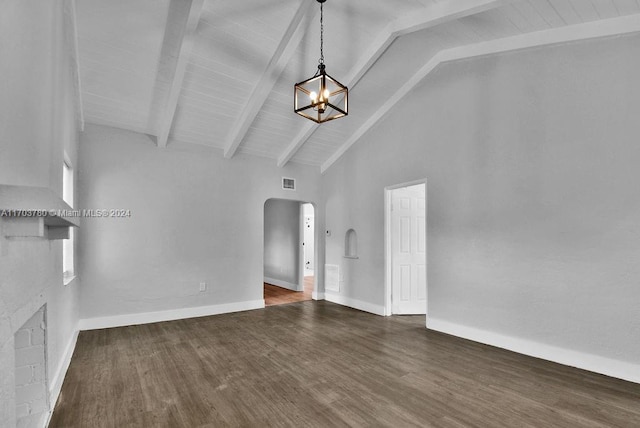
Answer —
321 98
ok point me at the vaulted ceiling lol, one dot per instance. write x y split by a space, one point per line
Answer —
220 73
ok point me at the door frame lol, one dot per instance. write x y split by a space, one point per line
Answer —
303 249
388 280
316 243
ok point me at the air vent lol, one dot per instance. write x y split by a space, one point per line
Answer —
288 183
332 278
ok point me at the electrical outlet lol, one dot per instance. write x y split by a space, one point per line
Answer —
203 287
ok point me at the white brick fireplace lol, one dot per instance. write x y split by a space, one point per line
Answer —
31 371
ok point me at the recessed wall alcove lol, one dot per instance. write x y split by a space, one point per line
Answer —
351 244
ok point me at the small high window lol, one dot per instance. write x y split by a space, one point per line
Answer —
68 244
67 183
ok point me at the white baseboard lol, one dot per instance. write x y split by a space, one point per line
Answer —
55 386
354 303
281 283
567 357
315 295
169 315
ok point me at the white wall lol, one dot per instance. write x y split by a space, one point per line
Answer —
282 243
195 217
36 75
533 198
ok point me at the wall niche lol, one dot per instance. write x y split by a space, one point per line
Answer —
351 244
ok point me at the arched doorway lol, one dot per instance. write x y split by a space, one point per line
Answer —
289 251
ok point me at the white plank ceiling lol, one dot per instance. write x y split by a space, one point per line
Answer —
220 73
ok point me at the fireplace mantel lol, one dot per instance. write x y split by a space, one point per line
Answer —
37 212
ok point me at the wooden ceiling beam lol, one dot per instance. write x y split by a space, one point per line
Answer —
591 30
283 53
179 36
436 14
71 40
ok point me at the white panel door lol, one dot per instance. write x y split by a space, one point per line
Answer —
408 250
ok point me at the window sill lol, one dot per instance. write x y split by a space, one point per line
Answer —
351 257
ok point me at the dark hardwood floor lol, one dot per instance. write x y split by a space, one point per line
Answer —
274 295
315 363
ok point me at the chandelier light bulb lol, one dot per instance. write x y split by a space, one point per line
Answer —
313 96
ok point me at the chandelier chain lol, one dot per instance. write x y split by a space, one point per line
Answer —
320 98
321 60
